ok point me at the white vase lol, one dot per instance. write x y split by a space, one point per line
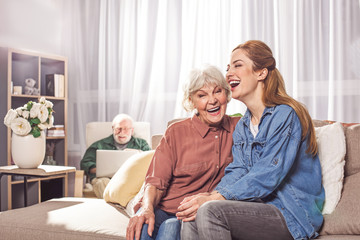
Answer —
27 151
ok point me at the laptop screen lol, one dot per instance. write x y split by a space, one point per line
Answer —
109 161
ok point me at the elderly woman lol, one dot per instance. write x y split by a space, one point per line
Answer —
190 158
273 186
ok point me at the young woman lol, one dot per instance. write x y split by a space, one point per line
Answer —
274 182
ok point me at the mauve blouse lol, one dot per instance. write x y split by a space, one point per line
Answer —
190 159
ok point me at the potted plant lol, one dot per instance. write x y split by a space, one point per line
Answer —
28 138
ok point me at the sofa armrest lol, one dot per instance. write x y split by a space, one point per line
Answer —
155 140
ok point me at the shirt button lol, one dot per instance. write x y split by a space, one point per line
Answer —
217 166
216 136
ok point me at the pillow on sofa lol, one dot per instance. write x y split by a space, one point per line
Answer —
134 204
127 181
345 220
332 149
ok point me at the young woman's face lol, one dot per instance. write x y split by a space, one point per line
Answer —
210 102
241 77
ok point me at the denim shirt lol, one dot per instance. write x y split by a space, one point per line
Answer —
274 168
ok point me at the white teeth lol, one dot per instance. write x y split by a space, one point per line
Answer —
213 109
234 83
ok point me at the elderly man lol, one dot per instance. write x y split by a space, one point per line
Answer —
120 139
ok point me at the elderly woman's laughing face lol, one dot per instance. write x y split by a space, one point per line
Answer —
210 102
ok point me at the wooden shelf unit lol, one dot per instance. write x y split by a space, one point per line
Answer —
16 66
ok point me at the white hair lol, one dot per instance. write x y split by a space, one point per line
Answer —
198 78
118 118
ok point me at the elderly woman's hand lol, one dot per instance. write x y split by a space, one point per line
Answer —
189 206
145 215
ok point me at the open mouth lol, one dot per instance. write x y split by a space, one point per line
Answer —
213 110
234 83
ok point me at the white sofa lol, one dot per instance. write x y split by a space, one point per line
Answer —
87 218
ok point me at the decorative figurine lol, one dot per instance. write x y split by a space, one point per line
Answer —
30 88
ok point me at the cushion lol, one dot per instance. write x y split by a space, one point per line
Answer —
127 181
346 217
332 148
134 204
352 150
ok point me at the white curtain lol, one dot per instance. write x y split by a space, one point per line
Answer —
132 56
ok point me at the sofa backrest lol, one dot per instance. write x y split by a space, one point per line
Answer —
352 135
98 130
345 218
352 158
352 138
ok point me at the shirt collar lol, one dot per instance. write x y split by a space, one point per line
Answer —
203 128
109 140
247 116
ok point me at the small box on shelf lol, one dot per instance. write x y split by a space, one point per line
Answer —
17 90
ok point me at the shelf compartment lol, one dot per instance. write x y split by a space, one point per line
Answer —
22 67
50 66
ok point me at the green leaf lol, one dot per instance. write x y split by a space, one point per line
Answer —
29 105
34 121
36 132
236 115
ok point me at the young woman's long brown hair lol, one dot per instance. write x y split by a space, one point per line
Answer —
274 88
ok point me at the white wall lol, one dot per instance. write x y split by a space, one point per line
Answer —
32 25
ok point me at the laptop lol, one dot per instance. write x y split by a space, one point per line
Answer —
109 161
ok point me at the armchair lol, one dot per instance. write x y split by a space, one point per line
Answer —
98 130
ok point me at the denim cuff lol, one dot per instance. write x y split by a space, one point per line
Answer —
226 194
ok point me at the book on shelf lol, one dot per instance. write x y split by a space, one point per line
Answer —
56 131
55 85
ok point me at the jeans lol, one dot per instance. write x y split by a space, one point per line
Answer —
236 220
166 227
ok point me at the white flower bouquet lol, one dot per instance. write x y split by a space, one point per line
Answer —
32 118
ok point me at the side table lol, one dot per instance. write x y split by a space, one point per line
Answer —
42 171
